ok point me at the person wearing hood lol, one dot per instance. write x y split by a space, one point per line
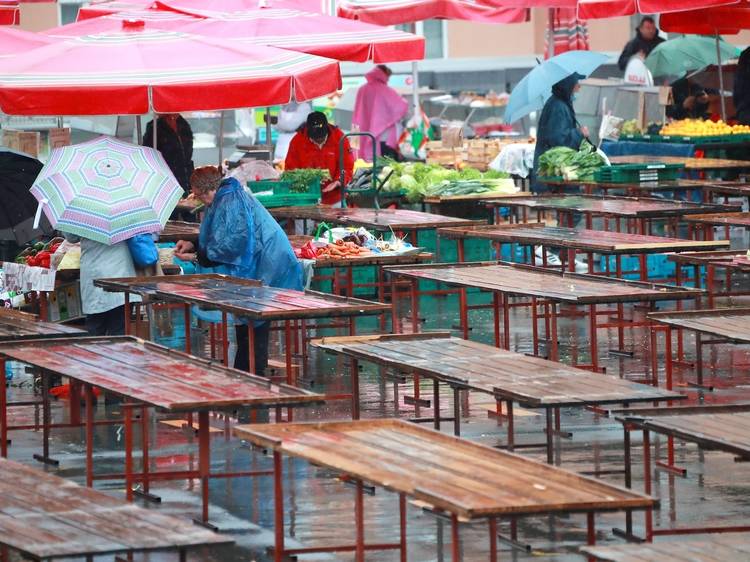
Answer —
318 145
379 110
741 94
558 125
645 40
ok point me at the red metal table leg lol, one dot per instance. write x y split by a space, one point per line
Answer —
506 320
224 339
204 461
455 539
359 517
3 412
647 482
415 306
590 531
188 343
89 436
355 389
402 525
128 414
554 354
496 317
464 313
278 497
492 524
594 340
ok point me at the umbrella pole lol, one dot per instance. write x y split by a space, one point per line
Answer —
721 79
154 127
415 79
268 134
221 139
550 33
138 131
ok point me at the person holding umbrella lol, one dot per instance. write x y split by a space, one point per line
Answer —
238 237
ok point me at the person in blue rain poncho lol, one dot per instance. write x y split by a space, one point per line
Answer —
238 237
558 125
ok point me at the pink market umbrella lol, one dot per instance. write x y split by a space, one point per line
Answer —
305 32
395 12
16 41
598 9
131 73
9 12
97 9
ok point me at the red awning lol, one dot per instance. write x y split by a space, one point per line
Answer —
394 12
724 20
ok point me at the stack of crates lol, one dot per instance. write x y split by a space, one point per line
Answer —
281 195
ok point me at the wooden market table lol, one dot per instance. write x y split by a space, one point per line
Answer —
696 164
711 262
724 325
16 325
573 241
634 188
45 517
452 477
717 428
703 550
145 375
545 288
637 212
708 222
727 189
244 298
438 204
180 230
380 220
506 376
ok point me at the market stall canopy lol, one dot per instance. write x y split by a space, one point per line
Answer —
535 88
306 32
223 8
107 190
16 41
98 9
676 57
596 9
395 12
10 12
723 20
131 73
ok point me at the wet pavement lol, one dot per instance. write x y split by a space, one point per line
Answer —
319 507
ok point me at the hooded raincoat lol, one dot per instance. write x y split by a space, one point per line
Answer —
557 124
378 109
244 240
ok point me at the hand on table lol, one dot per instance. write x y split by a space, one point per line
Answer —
331 186
183 247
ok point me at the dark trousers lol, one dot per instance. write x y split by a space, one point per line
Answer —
242 358
387 151
109 323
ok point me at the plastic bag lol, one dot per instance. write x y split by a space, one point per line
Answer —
143 250
610 128
254 170
62 251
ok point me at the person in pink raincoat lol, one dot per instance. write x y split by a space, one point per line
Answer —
379 110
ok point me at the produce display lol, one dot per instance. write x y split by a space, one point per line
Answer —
343 242
702 128
419 180
40 254
300 180
570 164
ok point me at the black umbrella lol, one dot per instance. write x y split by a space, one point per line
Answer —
17 205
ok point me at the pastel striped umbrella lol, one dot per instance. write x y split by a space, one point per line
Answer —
106 190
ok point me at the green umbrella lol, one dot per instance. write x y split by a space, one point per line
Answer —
679 56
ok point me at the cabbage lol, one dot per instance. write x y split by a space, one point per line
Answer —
408 182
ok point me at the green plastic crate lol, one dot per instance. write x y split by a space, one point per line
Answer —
288 200
628 173
278 187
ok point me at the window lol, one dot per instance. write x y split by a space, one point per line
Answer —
435 36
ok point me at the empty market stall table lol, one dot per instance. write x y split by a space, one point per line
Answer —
710 221
45 517
573 241
693 164
508 377
723 325
544 288
701 550
244 298
639 213
451 477
145 376
716 428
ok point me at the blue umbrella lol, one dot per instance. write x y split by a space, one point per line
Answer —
536 87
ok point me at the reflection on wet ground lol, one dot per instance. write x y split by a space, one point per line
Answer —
319 507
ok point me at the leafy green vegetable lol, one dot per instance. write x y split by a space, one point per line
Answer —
571 164
303 178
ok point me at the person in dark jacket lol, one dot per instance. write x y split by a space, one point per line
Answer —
741 94
646 38
690 100
174 139
558 125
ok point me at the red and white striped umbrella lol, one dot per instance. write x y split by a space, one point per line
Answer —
97 9
16 41
568 32
394 12
287 28
10 12
598 9
131 73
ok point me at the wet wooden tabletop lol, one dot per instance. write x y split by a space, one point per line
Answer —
631 207
726 548
376 219
730 323
721 219
528 281
16 325
531 381
724 428
244 297
690 163
683 184
152 374
580 239
455 475
45 517
703 258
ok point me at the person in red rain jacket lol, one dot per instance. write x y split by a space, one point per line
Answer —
316 145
